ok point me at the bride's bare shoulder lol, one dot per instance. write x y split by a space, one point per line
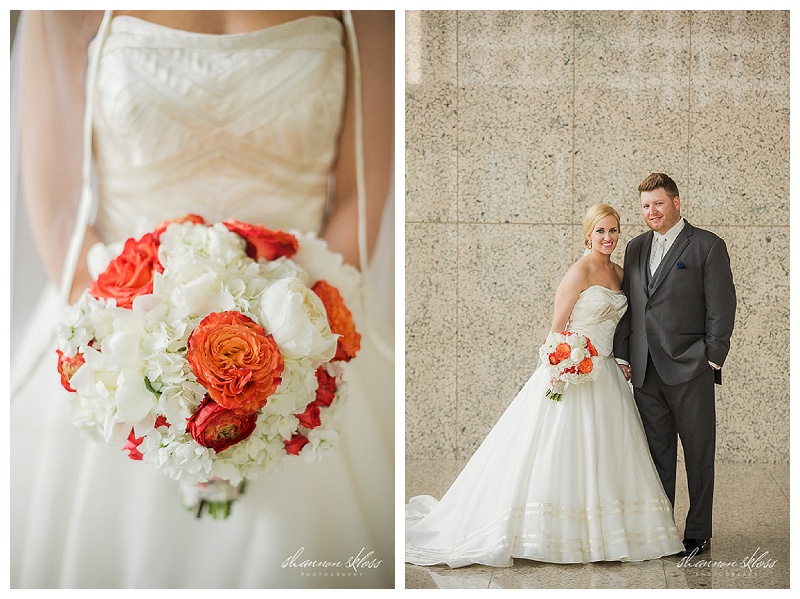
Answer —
577 274
619 272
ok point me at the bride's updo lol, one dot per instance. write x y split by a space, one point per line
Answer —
594 214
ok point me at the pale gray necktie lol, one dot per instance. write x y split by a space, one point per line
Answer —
657 254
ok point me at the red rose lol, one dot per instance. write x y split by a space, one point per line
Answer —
130 274
295 444
263 242
216 427
67 366
189 218
591 348
235 360
553 359
132 445
340 321
310 418
326 388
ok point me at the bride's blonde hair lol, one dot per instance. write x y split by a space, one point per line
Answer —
594 214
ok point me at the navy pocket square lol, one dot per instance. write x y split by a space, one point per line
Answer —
681 265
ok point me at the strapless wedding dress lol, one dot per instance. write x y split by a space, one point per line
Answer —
564 482
242 126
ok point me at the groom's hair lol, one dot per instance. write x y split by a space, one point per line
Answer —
656 180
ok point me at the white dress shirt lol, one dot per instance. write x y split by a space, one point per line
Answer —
666 240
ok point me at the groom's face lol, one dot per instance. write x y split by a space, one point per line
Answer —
659 211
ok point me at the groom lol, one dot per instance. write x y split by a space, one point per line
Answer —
672 343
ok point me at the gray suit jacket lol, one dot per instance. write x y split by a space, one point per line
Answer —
683 315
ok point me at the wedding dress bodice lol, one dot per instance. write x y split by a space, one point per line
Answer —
243 126
596 314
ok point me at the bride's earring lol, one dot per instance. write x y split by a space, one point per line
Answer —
589 244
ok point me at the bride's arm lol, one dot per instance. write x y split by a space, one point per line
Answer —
375 35
53 76
569 289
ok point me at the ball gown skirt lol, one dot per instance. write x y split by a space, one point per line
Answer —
564 482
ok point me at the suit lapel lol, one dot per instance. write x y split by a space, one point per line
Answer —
671 257
644 262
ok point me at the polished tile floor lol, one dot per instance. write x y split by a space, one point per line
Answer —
750 548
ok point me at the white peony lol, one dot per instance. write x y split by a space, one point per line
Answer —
578 354
297 320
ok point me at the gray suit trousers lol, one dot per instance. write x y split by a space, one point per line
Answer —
685 410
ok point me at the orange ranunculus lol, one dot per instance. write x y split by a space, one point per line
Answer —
67 366
189 218
263 242
326 388
130 274
295 444
340 321
235 360
216 427
586 366
591 348
563 351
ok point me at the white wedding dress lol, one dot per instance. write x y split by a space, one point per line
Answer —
241 126
564 482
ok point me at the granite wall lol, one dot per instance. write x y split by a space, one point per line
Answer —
516 122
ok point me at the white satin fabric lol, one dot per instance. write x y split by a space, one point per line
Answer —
563 482
241 126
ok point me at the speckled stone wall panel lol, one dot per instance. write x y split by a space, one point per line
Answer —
753 401
527 118
739 145
431 118
506 282
431 350
515 107
631 101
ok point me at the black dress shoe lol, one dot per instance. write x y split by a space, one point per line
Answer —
695 547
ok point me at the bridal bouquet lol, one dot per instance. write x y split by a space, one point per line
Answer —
568 357
213 352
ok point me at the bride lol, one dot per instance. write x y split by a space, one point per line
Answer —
134 118
568 481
